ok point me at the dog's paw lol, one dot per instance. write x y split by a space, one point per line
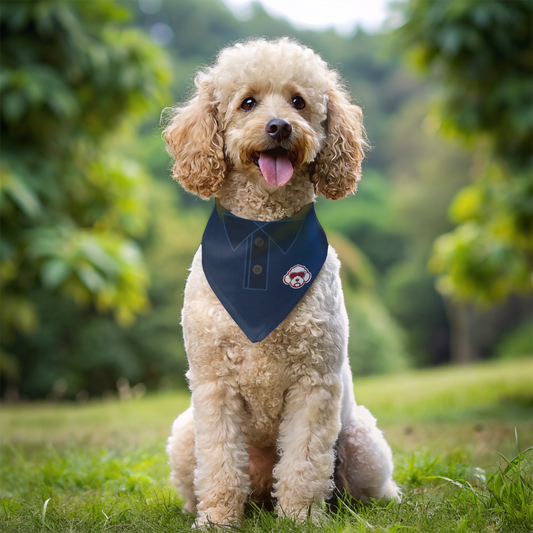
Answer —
391 492
302 514
216 518
203 522
189 506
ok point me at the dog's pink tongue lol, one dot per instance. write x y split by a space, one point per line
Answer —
276 169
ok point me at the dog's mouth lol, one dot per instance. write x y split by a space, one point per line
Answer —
276 165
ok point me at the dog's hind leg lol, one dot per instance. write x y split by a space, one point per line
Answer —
180 450
364 458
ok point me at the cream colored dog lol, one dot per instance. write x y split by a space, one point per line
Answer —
268 129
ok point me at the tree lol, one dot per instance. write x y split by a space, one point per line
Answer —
481 52
71 204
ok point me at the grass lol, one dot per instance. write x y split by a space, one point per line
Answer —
460 438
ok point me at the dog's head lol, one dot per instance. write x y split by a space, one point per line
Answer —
267 108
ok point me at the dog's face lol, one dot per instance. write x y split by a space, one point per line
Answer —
264 110
272 131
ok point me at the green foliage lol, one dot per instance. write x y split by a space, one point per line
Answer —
91 352
376 343
488 255
411 298
506 494
425 174
71 204
518 342
368 220
511 488
481 52
477 265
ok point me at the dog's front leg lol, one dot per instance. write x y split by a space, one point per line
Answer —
221 480
308 431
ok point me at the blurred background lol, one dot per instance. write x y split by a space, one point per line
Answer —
96 238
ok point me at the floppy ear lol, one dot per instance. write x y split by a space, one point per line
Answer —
337 167
195 142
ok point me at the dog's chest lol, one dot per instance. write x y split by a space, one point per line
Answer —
262 382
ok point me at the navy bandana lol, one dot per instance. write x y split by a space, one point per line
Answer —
261 270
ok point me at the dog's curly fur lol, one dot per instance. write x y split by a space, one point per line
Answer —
266 418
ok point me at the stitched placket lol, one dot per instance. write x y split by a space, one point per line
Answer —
256 261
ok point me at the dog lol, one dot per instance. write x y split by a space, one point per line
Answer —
273 418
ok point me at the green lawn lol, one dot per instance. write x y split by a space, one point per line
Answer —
101 466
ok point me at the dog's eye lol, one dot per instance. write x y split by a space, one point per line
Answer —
248 104
298 102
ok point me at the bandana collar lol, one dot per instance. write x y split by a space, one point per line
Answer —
260 270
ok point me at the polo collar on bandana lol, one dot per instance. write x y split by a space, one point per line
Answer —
261 270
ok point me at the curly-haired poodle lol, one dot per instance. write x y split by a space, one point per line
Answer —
273 415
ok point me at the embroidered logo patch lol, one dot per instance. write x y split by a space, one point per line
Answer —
297 277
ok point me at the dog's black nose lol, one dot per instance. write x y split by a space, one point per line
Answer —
278 129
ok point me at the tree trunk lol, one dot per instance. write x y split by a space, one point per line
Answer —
463 345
